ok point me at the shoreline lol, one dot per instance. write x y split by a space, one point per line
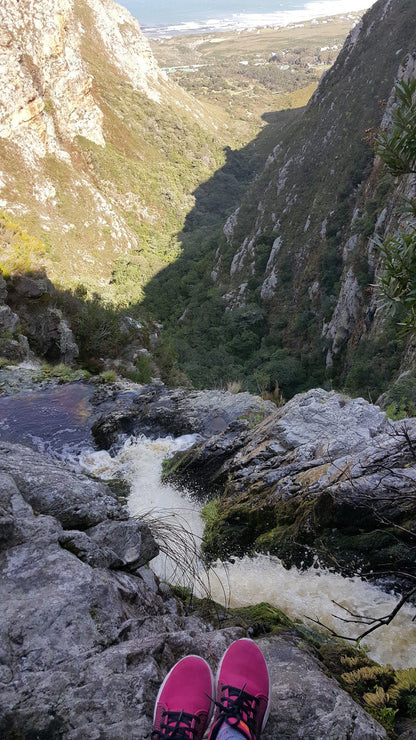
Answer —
253 22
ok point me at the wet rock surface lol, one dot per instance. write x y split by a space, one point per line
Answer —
87 633
155 409
76 501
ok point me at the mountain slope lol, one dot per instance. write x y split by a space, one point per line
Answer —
294 266
99 151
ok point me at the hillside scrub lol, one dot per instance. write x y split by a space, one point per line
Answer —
397 148
298 245
20 252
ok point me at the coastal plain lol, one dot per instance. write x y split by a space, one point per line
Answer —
255 72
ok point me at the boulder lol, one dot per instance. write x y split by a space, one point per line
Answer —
325 474
154 409
131 541
32 286
8 320
306 703
76 501
88 551
17 349
48 333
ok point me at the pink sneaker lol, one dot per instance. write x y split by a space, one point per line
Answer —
243 690
184 706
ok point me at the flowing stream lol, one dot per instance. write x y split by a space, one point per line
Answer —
57 421
300 594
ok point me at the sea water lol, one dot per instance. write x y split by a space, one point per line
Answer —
164 18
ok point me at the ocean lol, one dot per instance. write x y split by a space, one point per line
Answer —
160 18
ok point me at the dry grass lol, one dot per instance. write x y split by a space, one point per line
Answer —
182 547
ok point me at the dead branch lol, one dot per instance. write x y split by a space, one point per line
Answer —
373 623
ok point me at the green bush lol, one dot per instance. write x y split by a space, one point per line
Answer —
142 372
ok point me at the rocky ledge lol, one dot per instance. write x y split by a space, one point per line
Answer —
325 475
127 408
87 632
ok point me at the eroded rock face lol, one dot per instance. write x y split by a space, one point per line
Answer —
76 501
84 644
47 94
41 62
323 711
48 333
34 327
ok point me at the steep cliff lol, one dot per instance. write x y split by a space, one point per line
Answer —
91 134
295 264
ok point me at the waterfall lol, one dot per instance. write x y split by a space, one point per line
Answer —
300 594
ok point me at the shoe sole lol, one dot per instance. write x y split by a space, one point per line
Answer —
213 687
217 678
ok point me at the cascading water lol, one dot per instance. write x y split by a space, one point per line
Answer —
301 594
57 421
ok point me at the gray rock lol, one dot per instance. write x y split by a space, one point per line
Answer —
68 347
3 289
325 474
7 524
131 540
8 320
306 704
48 333
211 412
33 287
17 349
88 551
75 500
17 521
84 647
156 409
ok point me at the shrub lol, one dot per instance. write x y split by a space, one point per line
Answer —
142 372
19 251
108 376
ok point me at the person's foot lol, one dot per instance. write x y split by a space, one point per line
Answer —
184 706
243 691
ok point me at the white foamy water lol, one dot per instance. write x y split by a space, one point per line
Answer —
175 517
312 593
300 594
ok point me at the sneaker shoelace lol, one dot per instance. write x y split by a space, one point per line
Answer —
177 725
237 709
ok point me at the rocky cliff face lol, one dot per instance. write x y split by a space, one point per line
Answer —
322 195
83 102
88 632
297 254
47 95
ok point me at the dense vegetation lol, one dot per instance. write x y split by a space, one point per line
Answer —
216 319
397 147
